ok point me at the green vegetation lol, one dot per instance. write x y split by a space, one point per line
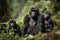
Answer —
17 9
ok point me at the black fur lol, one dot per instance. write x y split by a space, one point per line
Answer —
33 17
48 21
15 26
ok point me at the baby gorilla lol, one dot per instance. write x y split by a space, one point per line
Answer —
48 21
3 28
12 24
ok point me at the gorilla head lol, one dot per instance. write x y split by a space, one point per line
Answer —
47 15
34 11
12 22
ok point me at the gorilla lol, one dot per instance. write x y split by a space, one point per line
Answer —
12 24
3 28
48 21
33 22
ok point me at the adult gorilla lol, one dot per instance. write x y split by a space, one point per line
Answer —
33 22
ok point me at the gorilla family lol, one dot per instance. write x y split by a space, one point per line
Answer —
12 24
48 21
3 28
33 22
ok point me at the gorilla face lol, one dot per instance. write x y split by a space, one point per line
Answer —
12 23
32 14
33 11
47 15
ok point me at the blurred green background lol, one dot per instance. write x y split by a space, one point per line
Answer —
17 9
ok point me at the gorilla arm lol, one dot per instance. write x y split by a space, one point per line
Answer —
50 24
26 25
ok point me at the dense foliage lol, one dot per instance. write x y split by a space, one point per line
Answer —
17 9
